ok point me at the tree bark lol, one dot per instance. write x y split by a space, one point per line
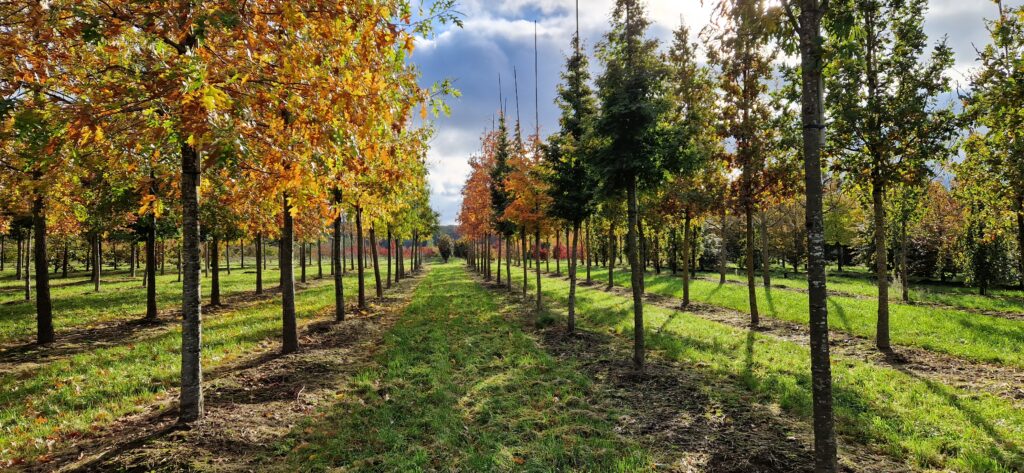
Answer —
97 263
766 266
813 117
44 306
259 262
722 250
302 262
376 262
1020 239
522 240
611 253
637 278
536 252
508 262
590 258
215 270
686 259
28 271
390 243
751 278
499 259
337 262
572 277
881 265
904 272
151 268
289 326
359 258
191 394
319 258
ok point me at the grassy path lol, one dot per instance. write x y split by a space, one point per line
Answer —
930 424
460 387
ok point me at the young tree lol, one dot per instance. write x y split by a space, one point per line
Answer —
882 95
630 93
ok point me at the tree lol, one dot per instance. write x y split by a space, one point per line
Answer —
630 93
994 104
883 94
745 61
570 180
444 246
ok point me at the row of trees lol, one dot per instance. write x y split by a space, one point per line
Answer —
218 120
667 145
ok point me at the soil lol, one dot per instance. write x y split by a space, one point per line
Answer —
250 405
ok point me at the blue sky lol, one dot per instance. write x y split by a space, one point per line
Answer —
498 36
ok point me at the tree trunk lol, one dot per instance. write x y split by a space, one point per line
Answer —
215 270
590 258
259 262
722 250
359 258
766 265
302 262
17 263
686 259
637 279
904 272
611 253
813 118
536 252
508 262
337 263
572 277
151 268
390 243
558 261
499 259
522 240
289 326
751 278
191 394
28 261
1020 239
840 250
44 306
97 263
227 256
63 262
3 252
376 262
319 259
881 266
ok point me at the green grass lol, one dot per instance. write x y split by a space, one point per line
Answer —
930 424
855 281
75 304
959 333
73 395
461 388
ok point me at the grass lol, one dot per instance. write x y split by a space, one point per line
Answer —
930 424
75 304
73 395
964 334
458 387
860 283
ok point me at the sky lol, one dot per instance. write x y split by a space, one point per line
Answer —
498 39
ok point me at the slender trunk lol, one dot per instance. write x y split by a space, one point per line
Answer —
191 394
611 253
1020 239
259 262
63 262
44 306
637 278
151 268
840 251
163 256
572 277
813 117
241 253
881 265
499 260
289 326
722 250
179 261
686 259
344 257
376 262
590 257
904 272
337 263
3 251
227 256
547 257
766 266
359 259
319 259
487 257
215 269
536 253
28 261
17 263
302 262
390 242
522 240
97 254
508 262
558 261
751 284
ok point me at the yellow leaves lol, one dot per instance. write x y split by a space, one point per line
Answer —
410 43
150 205
213 98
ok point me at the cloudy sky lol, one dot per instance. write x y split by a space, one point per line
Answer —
498 36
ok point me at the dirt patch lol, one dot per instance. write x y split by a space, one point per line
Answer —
250 404
1003 381
693 423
